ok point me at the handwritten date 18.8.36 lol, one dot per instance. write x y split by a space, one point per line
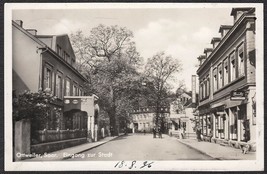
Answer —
133 164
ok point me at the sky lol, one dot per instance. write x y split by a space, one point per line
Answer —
182 33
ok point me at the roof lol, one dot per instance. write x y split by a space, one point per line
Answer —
208 50
215 39
234 10
51 51
222 27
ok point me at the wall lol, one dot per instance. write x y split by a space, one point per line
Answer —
26 62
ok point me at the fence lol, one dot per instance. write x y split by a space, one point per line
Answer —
45 136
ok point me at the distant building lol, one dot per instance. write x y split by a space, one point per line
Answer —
182 114
144 118
227 86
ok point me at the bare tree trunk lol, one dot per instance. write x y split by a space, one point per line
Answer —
112 115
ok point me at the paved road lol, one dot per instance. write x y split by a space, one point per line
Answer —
141 147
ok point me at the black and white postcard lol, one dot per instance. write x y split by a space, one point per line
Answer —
134 86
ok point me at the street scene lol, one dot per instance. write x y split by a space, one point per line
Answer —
118 84
142 147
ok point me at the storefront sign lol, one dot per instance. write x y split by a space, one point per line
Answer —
238 95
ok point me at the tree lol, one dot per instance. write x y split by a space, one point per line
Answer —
109 60
159 71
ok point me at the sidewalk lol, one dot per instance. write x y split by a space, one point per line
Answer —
66 153
218 151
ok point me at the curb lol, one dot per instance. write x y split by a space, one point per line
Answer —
200 151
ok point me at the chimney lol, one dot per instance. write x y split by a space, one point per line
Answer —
224 29
238 12
19 22
32 31
215 41
193 88
207 51
201 59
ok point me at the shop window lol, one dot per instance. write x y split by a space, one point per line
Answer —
233 127
216 127
244 127
233 67
209 126
226 73
241 64
222 125
204 125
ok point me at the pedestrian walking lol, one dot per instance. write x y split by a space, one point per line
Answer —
180 133
160 133
198 132
154 132
144 131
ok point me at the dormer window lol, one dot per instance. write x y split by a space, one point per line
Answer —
59 50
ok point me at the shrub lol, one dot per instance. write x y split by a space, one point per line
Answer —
36 107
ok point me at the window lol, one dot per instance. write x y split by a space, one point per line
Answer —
47 85
215 80
232 66
225 73
241 71
220 76
208 85
59 85
233 127
75 90
67 90
200 91
216 127
64 55
59 50
222 125
204 88
67 57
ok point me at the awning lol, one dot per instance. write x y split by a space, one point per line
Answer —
220 104
228 103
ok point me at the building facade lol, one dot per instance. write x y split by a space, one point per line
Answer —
227 86
144 118
47 62
182 114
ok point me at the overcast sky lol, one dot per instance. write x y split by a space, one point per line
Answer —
182 33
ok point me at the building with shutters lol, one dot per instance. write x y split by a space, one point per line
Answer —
227 86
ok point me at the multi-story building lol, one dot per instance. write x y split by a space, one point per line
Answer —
182 114
47 62
144 118
227 86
